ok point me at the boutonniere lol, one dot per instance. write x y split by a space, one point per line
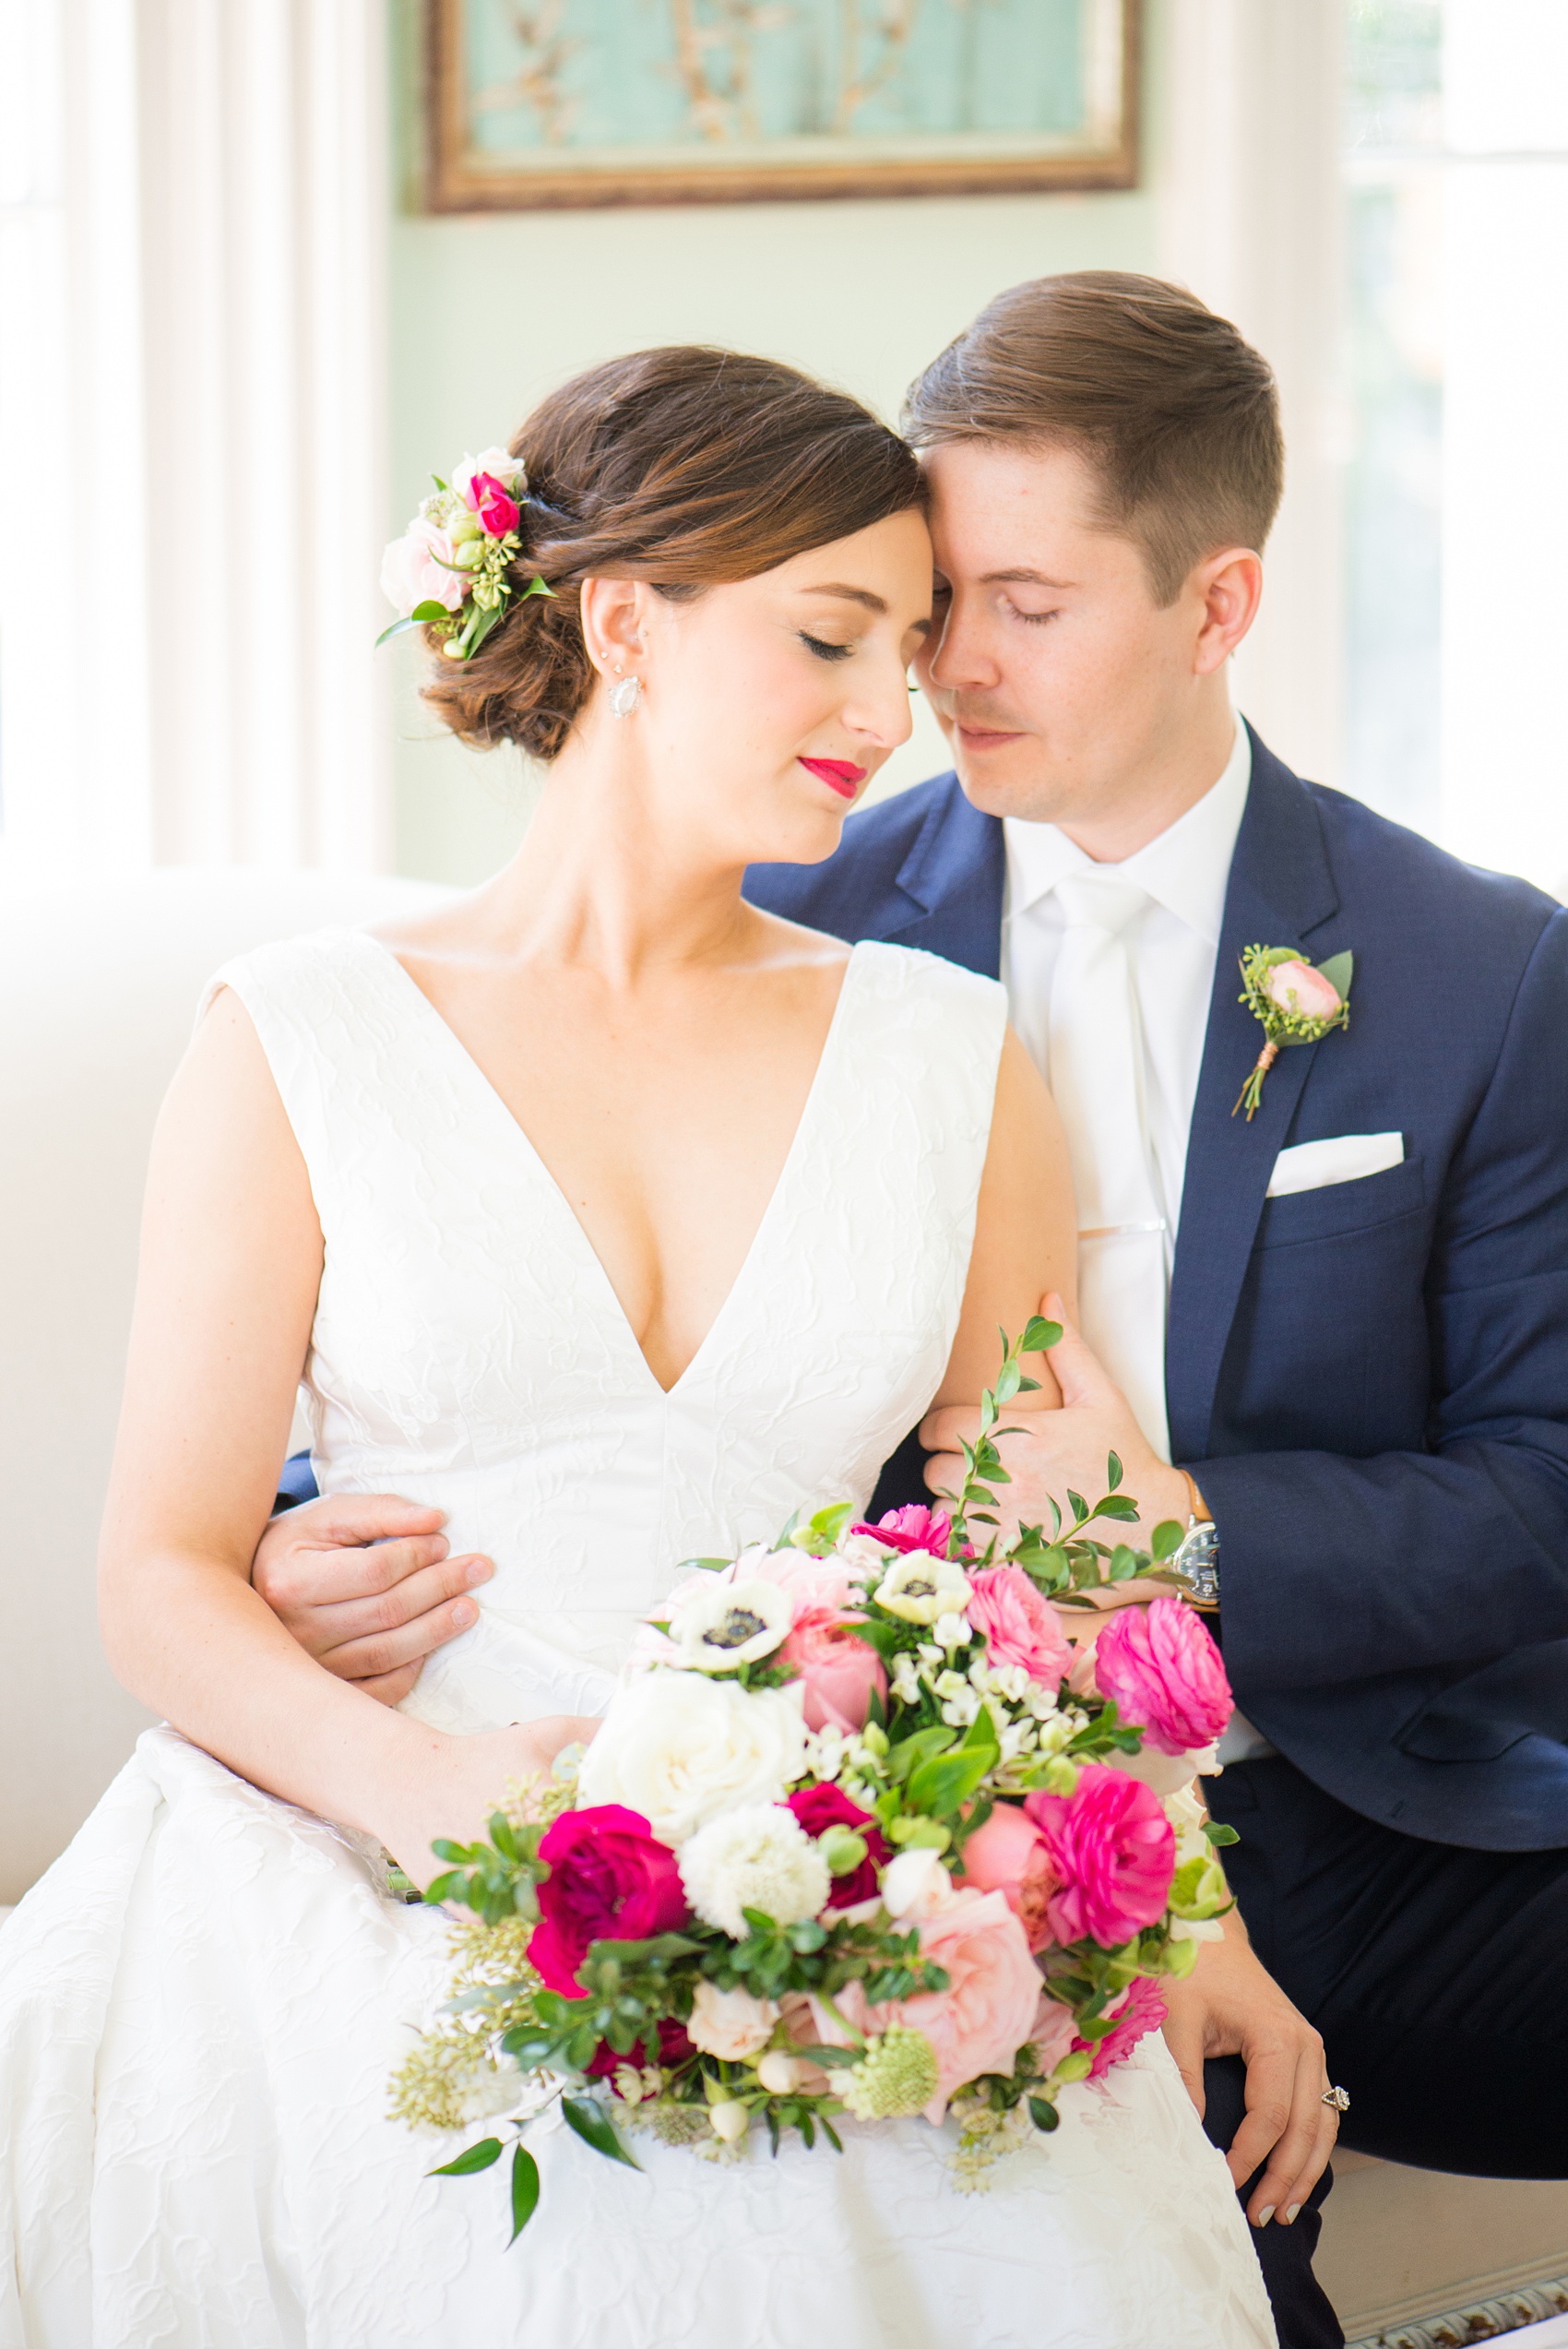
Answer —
1296 1001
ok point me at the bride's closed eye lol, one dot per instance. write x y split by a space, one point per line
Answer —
822 650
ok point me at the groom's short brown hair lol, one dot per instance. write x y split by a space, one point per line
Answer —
1177 414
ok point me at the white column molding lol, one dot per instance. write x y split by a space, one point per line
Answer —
1246 174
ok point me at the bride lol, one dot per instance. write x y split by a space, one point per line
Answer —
617 1220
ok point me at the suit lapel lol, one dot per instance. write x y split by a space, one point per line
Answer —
1281 890
953 879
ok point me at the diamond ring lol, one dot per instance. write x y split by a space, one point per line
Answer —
1338 2098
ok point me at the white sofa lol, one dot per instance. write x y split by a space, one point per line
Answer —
98 983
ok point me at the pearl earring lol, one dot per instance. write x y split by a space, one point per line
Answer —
624 694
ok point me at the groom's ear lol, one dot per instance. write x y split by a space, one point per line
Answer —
1226 590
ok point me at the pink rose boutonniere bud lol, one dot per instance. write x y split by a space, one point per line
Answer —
1166 1675
1018 1624
1297 987
496 511
1296 1002
910 1529
610 1880
1008 1855
1115 1853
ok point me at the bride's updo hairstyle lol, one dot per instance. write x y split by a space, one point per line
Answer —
685 467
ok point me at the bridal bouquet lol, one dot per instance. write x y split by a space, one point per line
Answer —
862 1833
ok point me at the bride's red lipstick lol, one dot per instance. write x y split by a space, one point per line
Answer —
837 774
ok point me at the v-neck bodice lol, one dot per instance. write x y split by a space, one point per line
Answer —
470 1352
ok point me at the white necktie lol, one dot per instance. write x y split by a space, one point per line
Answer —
1096 1065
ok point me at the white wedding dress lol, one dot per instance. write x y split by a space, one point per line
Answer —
202 2002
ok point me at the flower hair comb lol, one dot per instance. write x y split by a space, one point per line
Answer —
452 567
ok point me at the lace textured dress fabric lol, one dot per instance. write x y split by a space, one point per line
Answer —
202 2002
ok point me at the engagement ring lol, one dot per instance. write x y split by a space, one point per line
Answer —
1338 2098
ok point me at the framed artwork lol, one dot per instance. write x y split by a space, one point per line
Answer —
548 102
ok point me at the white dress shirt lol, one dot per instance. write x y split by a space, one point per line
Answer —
1171 949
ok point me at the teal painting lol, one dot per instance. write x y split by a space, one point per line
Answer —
598 102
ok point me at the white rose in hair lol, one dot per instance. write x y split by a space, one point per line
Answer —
498 462
731 2024
682 1749
758 1858
720 1624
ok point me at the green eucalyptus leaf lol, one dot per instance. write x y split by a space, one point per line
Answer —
703 1565
1078 1505
1040 1335
589 2121
1112 1471
1167 1538
1218 1834
525 2192
1045 2116
477 2157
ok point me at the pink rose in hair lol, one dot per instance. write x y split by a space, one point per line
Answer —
1115 1853
610 1880
414 569
1018 1625
1297 987
913 1528
497 512
1166 1675
988 2009
1007 1855
836 1668
1142 2010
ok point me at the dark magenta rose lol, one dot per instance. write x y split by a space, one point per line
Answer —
610 1880
497 512
674 2050
819 1807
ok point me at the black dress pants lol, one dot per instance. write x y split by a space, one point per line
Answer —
1437 1975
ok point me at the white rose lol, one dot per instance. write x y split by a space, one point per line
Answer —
720 1624
682 1749
729 2023
1166 1774
920 1588
506 468
760 1857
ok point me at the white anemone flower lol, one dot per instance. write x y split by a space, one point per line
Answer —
722 1625
921 1588
760 1857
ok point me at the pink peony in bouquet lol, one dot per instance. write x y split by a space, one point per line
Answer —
851 1843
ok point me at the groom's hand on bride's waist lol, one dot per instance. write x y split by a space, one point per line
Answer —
1061 1451
365 1584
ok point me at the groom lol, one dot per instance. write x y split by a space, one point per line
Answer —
1344 1317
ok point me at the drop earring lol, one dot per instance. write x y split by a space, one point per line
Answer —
624 693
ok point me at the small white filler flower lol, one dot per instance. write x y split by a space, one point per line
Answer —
760 1857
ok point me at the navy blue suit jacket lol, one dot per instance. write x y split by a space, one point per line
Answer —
1369 1382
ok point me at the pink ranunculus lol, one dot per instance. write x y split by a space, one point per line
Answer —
1007 1855
837 1670
1054 2035
1115 1853
497 512
1162 1667
912 1528
1018 1624
414 569
1297 987
812 1582
610 1880
988 2009
819 1807
1142 2010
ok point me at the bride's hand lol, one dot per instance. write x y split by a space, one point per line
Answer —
456 1799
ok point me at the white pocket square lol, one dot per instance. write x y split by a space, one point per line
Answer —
1344 1158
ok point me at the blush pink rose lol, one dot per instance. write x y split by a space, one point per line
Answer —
1142 2010
1007 1855
1115 1853
1018 1625
914 1528
988 2009
812 1582
414 569
610 1880
837 1670
1054 2033
1297 987
1162 1667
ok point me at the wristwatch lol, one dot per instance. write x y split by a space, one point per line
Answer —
1196 1563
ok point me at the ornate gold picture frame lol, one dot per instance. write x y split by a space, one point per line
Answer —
543 103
